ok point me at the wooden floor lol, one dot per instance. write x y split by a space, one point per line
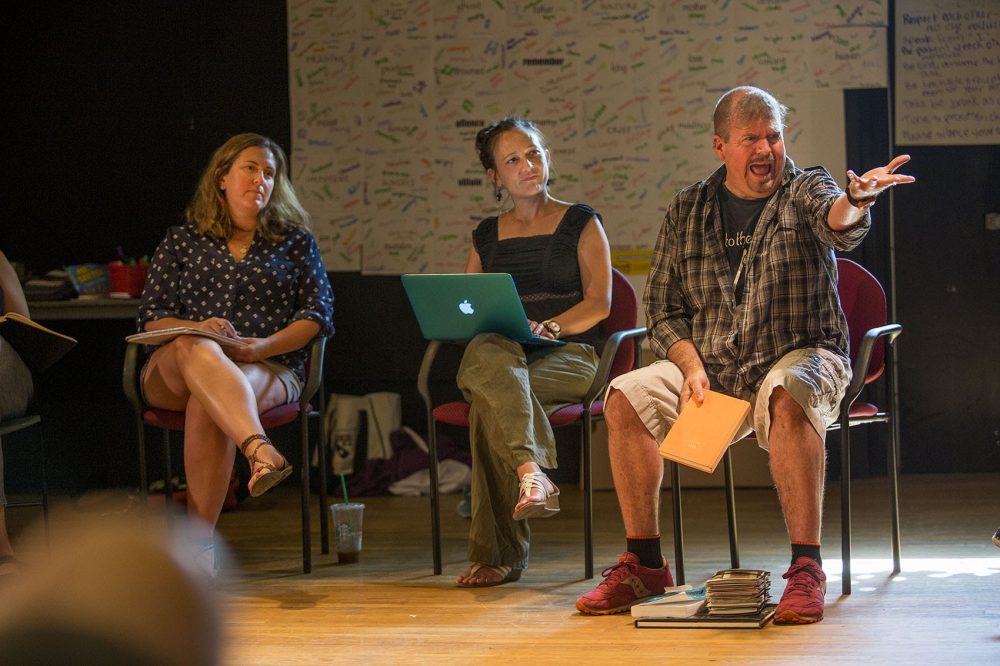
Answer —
389 609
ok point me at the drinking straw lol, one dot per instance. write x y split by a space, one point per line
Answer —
343 486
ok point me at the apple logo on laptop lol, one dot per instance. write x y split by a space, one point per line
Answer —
466 307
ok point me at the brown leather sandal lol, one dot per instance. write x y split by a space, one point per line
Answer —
263 475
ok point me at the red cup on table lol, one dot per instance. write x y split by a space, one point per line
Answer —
126 280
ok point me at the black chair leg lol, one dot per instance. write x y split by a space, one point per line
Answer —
845 498
18 424
45 488
324 509
734 549
893 474
435 500
143 475
168 468
304 491
588 497
675 493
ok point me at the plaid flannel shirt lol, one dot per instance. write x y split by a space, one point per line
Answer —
790 299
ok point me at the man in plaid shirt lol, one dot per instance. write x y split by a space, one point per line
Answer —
742 298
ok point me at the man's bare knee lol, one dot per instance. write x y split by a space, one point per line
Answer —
618 411
779 396
791 428
784 407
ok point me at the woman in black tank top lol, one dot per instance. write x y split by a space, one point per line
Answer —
559 258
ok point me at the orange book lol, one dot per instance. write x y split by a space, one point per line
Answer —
702 433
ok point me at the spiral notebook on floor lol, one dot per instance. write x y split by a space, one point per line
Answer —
460 306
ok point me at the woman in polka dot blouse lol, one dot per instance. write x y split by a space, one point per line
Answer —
245 266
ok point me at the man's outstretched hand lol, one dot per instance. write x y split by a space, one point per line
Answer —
879 179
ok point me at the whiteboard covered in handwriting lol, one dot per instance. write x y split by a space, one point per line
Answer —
947 72
387 95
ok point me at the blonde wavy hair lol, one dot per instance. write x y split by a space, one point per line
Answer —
208 209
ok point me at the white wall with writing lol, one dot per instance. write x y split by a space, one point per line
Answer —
387 95
947 72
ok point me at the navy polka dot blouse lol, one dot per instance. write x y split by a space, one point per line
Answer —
193 276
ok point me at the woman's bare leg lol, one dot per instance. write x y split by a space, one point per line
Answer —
191 366
209 453
208 463
221 401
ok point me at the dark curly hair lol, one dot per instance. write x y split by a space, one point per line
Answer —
486 138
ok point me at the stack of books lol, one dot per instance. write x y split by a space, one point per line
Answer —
730 599
738 591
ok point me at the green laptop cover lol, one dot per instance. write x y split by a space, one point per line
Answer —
460 306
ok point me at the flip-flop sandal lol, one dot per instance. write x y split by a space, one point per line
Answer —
507 575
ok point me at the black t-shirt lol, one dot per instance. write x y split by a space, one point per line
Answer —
546 269
739 218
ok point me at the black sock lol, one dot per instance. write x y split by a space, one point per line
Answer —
806 550
647 549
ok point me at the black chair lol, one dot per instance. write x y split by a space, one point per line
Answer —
863 301
17 424
170 421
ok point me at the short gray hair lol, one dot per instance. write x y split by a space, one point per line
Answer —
745 104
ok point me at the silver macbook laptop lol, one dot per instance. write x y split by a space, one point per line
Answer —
459 306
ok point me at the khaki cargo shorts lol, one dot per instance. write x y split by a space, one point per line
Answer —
816 378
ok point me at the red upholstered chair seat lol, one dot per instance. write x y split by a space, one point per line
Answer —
272 418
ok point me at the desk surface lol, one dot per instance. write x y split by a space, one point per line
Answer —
85 308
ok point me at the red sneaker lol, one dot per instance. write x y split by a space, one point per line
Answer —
802 601
625 584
